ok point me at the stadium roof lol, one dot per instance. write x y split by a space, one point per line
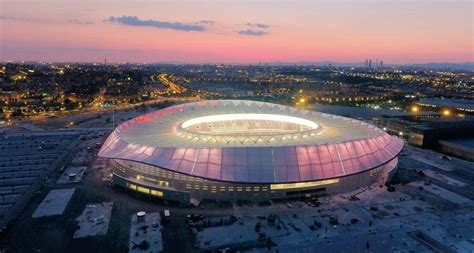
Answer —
322 146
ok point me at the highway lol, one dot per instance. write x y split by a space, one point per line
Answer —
166 80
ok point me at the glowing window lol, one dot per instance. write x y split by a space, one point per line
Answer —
157 193
143 189
303 185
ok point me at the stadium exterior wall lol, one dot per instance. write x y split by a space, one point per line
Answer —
181 188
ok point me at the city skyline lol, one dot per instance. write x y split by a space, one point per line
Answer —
405 32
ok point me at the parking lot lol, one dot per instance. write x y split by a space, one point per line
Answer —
25 160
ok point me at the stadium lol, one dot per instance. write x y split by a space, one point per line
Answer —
231 150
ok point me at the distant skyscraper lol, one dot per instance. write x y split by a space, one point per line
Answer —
370 63
366 63
381 64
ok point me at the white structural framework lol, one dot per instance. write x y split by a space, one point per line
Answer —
251 142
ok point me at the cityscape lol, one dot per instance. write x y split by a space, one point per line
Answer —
259 127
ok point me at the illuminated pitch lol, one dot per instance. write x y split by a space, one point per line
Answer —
248 124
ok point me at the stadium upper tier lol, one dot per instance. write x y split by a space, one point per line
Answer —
248 141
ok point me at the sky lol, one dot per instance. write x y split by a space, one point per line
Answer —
237 31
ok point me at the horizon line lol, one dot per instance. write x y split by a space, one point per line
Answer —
238 63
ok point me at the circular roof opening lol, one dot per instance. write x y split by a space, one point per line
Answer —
248 124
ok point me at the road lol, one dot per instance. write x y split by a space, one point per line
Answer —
166 80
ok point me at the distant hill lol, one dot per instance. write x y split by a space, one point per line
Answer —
319 63
445 65
430 65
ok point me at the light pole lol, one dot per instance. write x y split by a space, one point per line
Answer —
113 118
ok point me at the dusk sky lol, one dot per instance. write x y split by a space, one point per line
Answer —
237 31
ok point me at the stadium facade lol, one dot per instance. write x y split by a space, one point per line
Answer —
230 150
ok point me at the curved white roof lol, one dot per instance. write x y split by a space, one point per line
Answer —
325 146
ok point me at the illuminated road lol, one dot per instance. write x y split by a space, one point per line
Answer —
166 80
